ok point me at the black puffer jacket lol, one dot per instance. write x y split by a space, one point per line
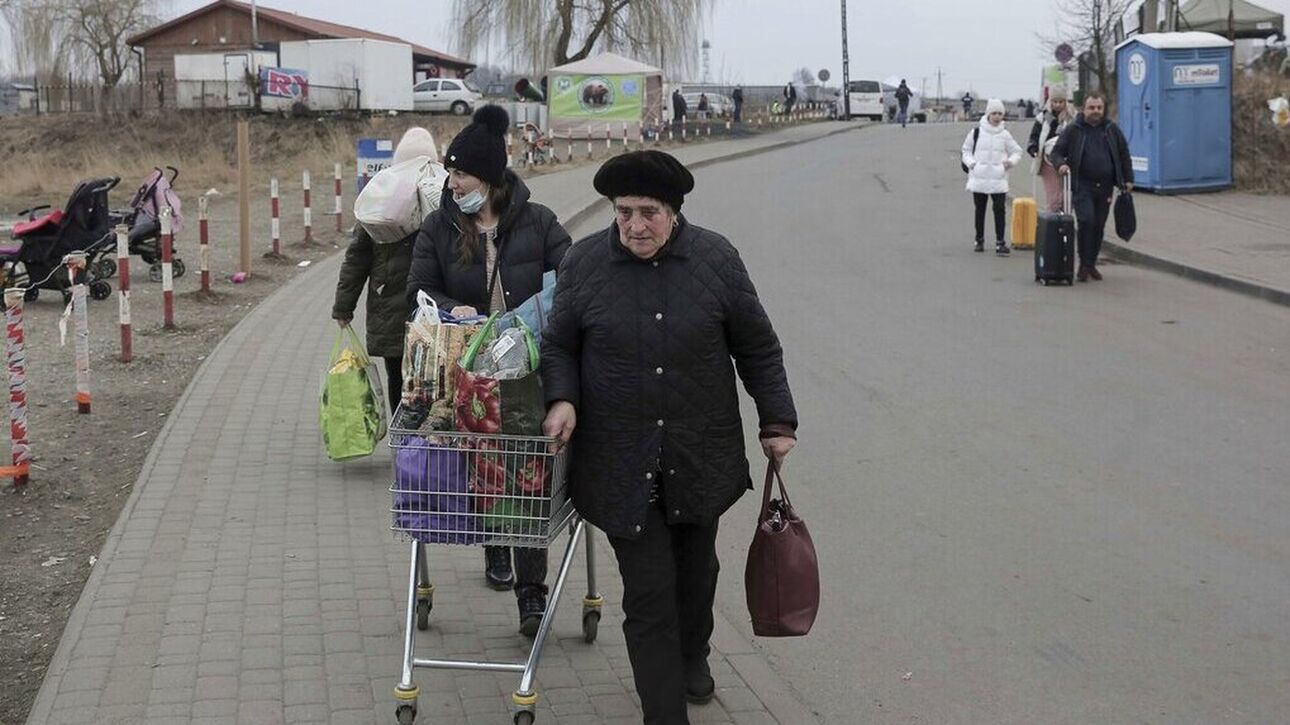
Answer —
643 349
529 241
383 268
1069 150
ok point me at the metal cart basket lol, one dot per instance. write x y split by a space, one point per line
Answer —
470 489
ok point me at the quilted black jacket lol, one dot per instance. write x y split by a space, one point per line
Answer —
383 268
646 350
529 241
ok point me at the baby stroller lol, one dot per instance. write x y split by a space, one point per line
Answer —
143 218
35 261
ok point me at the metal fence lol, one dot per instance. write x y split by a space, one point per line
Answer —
172 94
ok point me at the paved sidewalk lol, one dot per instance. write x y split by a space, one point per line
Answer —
1234 240
251 580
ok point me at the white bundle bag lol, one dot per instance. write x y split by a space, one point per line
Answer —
395 201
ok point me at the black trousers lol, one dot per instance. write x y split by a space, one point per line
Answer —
1092 206
530 569
394 380
739 113
669 583
1000 214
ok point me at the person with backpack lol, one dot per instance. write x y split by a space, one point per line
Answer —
903 94
989 151
383 269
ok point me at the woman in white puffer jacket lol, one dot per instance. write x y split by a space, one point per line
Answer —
989 151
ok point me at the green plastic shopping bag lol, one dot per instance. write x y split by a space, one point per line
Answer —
352 411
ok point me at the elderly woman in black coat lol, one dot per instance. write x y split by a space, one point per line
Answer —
652 318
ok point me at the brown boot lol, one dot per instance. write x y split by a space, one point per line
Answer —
1092 272
1082 274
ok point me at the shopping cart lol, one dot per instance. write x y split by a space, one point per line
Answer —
469 489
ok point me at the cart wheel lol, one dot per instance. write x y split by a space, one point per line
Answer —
590 625
524 717
423 613
31 294
105 268
179 268
100 290
406 714
154 272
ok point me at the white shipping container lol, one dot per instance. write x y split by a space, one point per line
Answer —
381 71
219 80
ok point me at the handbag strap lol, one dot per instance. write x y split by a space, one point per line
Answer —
772 475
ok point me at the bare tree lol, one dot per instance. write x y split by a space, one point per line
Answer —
100 27
803 77
1088 26
541 33
85 37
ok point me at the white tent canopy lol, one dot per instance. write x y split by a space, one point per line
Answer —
606 64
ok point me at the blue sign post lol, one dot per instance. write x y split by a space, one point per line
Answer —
373 154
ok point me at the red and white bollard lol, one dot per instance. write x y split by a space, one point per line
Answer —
16 363
510 151
339 211
569 138
75 267
609 138
589 151
203 243
640 133
276 224
123 272
308 214
682 128
624 136
167 271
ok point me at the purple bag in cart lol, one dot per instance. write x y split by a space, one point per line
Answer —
431 494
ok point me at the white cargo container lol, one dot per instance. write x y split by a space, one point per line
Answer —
219 80
371 75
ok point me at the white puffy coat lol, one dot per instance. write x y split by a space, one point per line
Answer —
987 172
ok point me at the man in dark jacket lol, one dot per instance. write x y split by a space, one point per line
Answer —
903 94
1095 154
737 97
678 106
790 97
652 317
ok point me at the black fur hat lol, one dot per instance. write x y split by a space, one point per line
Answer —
480 148
645 173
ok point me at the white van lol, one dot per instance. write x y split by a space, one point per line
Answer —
866 99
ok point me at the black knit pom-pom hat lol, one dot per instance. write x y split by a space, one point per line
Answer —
480 148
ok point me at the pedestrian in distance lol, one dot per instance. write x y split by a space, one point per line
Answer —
968 100
989 151
1050 123
383 269
703 106
678 106
1095 154
903 94
790 97
737 97
652 319
484 250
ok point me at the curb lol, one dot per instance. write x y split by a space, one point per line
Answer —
1268 293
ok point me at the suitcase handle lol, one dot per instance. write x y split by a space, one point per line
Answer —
1066 193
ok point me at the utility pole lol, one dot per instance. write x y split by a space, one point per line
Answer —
255 30
940 91
846 67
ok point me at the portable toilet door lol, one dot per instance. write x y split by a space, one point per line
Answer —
1175 93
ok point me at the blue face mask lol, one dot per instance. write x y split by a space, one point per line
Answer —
470 203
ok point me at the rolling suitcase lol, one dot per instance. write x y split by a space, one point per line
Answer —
1024 221
1055 243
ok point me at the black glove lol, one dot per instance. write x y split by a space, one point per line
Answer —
1033 151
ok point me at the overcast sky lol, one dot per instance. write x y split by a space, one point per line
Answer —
988 46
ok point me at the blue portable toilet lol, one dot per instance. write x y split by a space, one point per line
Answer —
1175 96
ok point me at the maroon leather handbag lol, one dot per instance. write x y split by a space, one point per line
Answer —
782 578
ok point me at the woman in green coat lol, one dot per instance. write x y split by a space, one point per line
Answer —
383 269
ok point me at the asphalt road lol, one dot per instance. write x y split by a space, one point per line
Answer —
1031 505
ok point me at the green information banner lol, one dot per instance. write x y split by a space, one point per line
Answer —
597 97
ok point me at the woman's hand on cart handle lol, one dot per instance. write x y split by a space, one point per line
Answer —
560 421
